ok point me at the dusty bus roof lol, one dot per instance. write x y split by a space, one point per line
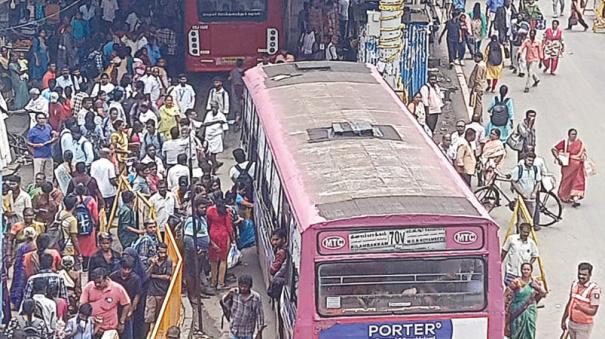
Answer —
346 177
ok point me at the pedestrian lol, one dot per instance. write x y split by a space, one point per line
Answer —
478 26
466 162
456 39
417 109
457 136
432 101
164 203
184 94
553 47
39 56
237 90
477 83
81 326
29 318
501 111
583 304
128 231
522 296
218 95
169 116
577 10
160 275
517 250
18 200
446 148
19 85
40 138
558 6
220 225
131 282
104 172
526 182
570 154
106 296
491 8
532 50
494 56
246 308
216 125
526 130
279 267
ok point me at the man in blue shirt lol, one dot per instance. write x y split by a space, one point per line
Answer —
491 9
196 245
40 138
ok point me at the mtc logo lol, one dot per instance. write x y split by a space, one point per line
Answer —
465 237
334 242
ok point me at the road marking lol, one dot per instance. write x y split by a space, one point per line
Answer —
466 96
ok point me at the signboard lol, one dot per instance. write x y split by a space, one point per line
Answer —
393 240
408 239
475 328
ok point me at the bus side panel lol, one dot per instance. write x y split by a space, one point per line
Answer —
306 316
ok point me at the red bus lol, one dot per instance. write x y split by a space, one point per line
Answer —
218 32
385 239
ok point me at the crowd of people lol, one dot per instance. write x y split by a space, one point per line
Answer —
113 124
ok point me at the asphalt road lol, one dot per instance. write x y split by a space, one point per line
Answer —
572 98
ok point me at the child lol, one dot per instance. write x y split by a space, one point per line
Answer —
23 66
82 325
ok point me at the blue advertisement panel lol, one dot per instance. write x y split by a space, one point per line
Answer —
433 329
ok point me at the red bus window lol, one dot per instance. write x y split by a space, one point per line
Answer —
232 10
401 286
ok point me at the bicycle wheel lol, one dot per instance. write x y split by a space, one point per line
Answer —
488 196
550 209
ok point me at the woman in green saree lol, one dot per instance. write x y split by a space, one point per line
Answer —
522 296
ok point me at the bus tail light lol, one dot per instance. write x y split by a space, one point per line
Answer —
193 39
272 40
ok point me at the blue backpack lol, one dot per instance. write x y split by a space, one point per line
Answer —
84 218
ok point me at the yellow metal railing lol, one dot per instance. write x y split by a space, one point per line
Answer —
170 313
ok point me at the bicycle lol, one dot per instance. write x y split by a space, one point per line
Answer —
19 148
548 204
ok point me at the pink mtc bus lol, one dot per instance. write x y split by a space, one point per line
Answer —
386 240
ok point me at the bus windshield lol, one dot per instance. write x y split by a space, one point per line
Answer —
232 10
401 286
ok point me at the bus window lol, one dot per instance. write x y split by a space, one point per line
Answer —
230 10
401 286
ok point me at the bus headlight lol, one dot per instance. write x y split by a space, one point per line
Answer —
193 38
272 40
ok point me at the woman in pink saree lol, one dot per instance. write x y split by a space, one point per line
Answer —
570 154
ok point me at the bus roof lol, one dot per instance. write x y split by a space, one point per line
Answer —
394 169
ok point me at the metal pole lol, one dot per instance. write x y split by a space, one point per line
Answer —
2 249
197 271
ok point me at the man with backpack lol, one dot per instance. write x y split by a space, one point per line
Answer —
67 222
45 308
501 114
80 177
526 182
27 324
86 213
477 83
243 171
147 245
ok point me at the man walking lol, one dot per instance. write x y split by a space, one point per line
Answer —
246 310
527 131
583 304
517 250
218 95
533 56
40 138
526 183
432 101
477 83
184 94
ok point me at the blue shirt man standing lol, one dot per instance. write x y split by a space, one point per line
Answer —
40 138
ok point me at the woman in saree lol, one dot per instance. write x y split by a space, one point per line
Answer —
21 93
522 296
570 154
39 56
553 47
19 275
492 155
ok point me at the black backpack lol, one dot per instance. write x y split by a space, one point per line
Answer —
494 56
244 178
499 112
56 233
28 329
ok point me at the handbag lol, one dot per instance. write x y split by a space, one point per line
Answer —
515 140
589 167
233 257
564 156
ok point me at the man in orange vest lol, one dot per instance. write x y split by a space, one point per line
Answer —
582 305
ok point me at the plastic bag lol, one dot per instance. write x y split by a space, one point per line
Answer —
233 257
590 167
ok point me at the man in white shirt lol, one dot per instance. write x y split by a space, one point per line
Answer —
184 94
146 114
173 147
307 41
216 125
88 10
82 148
86 109
19 200
517 250
109 10
104 172
152 157
432 101
480 139
177 171
219 95
343 18
36 104
46 305
241 162
153 86
163 201
65 80
104 85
